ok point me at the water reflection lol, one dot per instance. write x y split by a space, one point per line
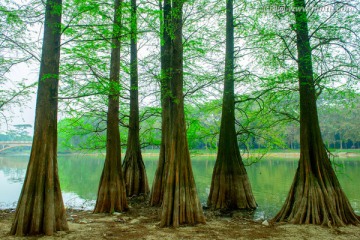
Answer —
79 178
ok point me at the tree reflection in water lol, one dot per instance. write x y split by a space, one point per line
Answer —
79 178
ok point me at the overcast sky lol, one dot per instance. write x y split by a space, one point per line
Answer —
25 114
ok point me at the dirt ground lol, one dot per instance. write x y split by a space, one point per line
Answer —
141 222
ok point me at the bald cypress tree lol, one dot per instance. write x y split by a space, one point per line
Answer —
315 196
40 208
180 203
112 193
134 169
230 185
158 187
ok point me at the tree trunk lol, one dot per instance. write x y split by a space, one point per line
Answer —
134 169
230 185
341 143
180 202
40 208
315 196
158 187
111 193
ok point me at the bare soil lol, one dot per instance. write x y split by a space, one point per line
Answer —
141 222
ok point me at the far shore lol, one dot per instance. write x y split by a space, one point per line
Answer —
280 154
290 154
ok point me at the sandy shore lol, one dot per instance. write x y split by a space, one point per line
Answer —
141 222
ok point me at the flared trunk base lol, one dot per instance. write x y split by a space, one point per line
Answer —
111 194
231 192
135 175
316 197
40 208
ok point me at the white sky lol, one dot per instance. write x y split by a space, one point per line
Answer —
25 114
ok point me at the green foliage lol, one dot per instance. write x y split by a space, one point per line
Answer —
81 134
150 127
265 70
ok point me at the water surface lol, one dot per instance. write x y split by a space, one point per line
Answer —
79 177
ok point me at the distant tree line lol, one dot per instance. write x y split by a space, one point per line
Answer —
19 133
338 124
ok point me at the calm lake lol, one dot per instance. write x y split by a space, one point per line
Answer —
79 176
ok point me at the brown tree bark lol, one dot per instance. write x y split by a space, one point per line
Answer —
315 196
112 193
40 208
230 185
158 186
133 166
180 202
